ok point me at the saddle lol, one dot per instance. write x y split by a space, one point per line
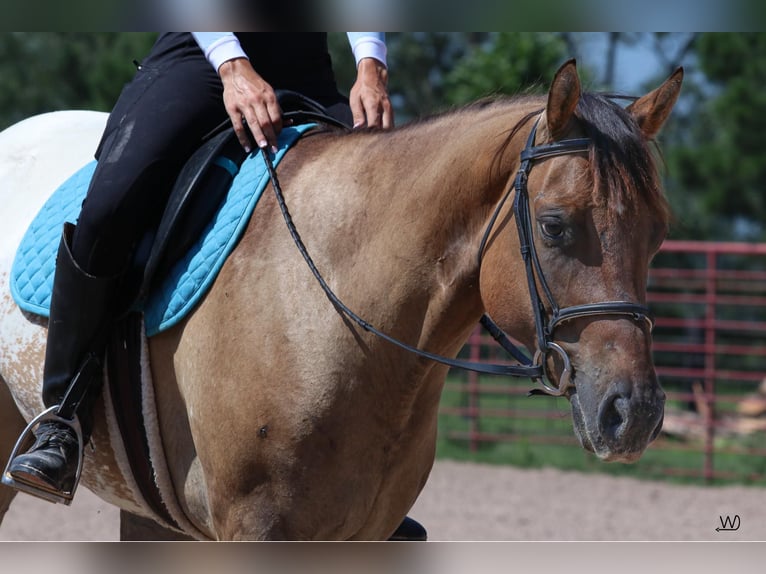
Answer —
199 189
197 193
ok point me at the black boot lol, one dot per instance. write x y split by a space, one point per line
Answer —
79 316
51 464
409 530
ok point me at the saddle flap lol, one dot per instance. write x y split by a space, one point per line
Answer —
201 187
211 168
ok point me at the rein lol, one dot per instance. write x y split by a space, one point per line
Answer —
528 368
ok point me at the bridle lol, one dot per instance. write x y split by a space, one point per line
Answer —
534 368
544 326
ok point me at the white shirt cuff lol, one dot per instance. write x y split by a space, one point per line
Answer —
369 47
222 50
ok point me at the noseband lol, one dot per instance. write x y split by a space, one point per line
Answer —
544 326
535 368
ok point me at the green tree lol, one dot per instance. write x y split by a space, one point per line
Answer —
431 71
505 63
42 72
716 146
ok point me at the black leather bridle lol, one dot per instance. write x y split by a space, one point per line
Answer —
534 368
545 326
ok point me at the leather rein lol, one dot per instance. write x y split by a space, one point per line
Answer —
534 368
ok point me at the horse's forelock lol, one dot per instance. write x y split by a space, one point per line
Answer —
624 168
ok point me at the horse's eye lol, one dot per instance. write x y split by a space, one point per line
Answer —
552 229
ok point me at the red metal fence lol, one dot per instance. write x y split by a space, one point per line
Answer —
710 352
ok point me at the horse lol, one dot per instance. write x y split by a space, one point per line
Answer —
282 418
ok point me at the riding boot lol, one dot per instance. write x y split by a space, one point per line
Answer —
80 313
410 530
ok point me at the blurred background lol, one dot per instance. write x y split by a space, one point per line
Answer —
707 285
713 145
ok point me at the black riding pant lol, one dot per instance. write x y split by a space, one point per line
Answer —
159 119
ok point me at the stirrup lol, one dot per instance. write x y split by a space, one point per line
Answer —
48 494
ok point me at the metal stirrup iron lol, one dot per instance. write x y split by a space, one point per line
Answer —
36 489
65 414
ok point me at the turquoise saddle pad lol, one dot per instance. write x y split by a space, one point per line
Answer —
190 278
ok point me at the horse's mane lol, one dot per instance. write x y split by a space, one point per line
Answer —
624 168
485 103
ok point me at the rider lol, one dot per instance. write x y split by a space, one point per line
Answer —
188 85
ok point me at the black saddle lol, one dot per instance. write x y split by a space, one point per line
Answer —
198 192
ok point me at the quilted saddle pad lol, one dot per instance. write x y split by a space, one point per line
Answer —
190 278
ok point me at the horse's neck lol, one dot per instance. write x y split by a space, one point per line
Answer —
451 172
432 198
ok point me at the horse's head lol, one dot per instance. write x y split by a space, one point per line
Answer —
594 218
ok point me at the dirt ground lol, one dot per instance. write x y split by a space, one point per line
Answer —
476 502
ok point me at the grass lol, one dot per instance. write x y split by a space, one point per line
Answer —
537 432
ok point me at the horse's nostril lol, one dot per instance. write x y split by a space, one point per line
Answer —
627 420
614 417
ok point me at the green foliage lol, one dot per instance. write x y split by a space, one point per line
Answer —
419 63
430 71
717 172
42 72
505 63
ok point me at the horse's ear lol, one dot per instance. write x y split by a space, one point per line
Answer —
651 110
562 99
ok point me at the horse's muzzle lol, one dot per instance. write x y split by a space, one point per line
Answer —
626 422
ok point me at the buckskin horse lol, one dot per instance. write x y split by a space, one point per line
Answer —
280 415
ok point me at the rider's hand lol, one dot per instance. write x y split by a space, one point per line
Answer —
369 101
247 96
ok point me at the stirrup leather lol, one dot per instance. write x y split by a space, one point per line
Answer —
51 414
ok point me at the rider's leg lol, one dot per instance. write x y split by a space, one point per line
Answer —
158 119
79 312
